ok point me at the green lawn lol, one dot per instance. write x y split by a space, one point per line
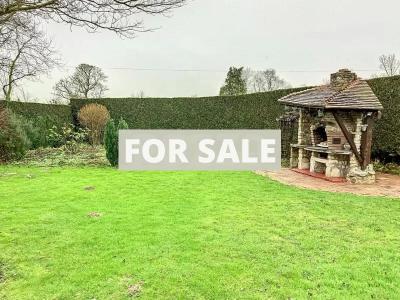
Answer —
190 235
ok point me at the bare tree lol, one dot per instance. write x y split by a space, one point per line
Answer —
26 53
264 81
139 94
87 82
389 64
247 75
114 15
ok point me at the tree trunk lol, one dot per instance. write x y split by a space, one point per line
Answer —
8 93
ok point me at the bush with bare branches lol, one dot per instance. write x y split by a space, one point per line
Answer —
94 117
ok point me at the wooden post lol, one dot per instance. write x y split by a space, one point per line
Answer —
366 144
348 137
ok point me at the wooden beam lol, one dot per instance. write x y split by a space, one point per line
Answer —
348 137
366 144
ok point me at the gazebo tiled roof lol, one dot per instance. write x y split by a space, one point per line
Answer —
356 95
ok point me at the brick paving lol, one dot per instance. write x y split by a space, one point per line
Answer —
386 184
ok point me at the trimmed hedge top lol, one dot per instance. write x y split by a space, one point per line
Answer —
58 114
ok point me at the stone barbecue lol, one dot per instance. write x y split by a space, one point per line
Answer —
335 124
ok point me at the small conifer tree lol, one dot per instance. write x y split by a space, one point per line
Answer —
111 139
111 142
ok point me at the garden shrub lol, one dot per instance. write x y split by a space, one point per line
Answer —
37 131
68 137
111 139
38 118
391 168
122 124
94 117
13 140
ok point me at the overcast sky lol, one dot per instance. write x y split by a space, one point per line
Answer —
304 40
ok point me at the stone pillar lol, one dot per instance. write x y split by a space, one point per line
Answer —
294 157
356 174
304 159
332 167
300 128
357 140
312 162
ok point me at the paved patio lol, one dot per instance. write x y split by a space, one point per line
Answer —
386 184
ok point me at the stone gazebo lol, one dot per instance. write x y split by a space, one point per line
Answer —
335 129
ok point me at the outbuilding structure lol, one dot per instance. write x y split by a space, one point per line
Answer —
335 127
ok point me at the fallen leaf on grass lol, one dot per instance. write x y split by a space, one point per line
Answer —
94 214
135 289
89 188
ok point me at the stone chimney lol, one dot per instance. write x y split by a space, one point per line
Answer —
342 79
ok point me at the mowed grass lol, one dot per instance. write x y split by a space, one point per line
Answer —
190 235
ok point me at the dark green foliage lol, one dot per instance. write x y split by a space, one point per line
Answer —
111 142
390 168
37 130
111 139
386 140
57 114
253 111
235 84
38 118
13 139
33 133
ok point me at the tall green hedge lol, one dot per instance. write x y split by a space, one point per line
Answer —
386 140
55 114
226 112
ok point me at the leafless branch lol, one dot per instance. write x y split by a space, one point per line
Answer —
119 16
389 64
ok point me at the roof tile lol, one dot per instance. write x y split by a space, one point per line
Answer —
357 95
